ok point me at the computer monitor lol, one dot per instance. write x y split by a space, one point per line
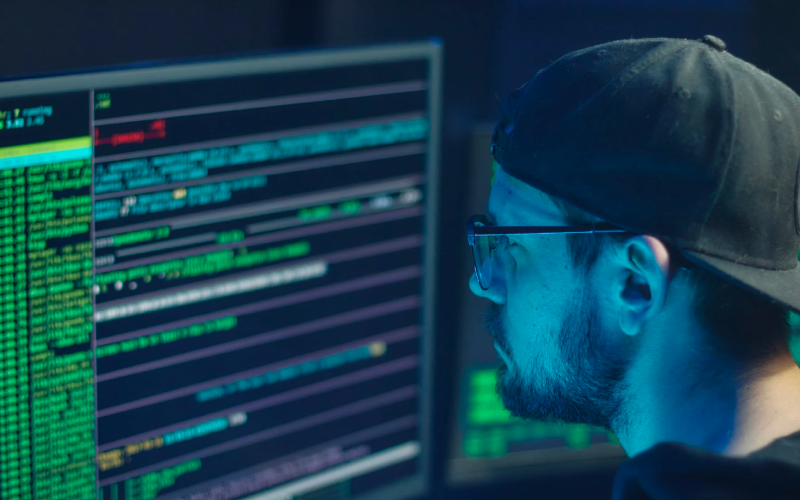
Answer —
488 445
213 277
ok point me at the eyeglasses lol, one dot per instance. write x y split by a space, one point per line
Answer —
482 236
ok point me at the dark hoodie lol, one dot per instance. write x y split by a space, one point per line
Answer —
672 471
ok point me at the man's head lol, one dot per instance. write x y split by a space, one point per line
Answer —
571 314
692 151
696 154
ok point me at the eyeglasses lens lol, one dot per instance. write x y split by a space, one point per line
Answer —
482 252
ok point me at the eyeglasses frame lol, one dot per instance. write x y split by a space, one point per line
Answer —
488 229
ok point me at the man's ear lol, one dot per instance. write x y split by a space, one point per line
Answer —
643 277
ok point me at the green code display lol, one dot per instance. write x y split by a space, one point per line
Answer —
47 445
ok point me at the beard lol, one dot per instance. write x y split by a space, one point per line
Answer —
583 382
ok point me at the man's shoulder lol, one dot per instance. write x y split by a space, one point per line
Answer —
671 470
785 449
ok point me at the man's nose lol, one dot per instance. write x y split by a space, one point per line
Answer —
495 293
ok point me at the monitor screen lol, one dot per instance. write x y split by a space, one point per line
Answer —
212 278
487 444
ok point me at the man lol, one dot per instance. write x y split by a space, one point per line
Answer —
641 258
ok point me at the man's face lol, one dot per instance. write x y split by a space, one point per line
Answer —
544 318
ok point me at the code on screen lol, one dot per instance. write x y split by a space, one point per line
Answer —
213 281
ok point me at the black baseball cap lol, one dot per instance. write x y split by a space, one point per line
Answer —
674 138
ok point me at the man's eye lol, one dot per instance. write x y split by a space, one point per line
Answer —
505 242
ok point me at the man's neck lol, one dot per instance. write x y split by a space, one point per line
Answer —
708 403
769 408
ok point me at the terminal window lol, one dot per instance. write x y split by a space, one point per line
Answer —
212 278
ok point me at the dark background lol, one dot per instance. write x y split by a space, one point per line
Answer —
491 47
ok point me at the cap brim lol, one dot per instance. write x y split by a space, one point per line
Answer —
782 287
